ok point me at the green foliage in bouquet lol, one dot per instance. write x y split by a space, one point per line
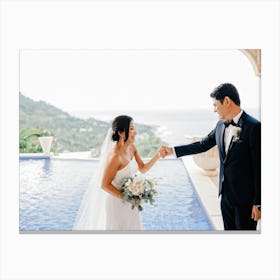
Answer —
138 190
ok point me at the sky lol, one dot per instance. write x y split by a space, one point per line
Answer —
97 80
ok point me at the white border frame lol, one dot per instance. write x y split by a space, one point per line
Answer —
149 24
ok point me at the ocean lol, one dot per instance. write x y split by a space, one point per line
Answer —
174 126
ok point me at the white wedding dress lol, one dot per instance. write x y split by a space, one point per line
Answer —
120 216
100 210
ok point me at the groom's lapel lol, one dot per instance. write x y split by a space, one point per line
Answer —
222 135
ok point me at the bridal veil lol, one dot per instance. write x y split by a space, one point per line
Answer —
92 212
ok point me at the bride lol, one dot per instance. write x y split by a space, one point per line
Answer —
102 207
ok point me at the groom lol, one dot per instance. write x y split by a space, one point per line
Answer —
238 137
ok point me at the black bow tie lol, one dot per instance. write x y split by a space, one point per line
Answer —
227 123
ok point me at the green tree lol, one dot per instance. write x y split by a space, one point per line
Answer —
29 139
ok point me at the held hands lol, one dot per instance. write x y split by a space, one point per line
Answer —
164 151
168 151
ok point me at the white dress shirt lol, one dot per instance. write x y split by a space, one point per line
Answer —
228 134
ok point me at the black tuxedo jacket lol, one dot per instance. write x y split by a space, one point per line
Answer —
240 169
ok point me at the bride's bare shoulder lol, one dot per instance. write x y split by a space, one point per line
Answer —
114 157
133 149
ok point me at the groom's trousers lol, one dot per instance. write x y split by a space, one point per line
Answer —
236 217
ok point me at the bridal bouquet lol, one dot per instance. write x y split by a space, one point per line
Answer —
139 190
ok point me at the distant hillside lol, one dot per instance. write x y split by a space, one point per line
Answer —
73 134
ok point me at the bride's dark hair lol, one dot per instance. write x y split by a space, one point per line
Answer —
120 124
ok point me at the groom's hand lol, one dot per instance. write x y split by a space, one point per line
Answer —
256 213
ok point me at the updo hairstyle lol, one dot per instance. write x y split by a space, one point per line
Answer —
120 124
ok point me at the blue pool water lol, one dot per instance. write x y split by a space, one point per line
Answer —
51 192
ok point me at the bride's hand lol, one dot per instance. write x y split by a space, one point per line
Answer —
162 152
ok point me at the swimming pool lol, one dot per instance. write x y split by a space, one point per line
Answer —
51 191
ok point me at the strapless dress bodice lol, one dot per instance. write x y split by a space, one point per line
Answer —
129 170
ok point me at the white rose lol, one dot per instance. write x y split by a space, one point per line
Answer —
235 131
133 188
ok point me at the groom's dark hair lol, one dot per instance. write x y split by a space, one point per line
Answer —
120 124
226 89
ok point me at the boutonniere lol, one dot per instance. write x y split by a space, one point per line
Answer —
235 132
